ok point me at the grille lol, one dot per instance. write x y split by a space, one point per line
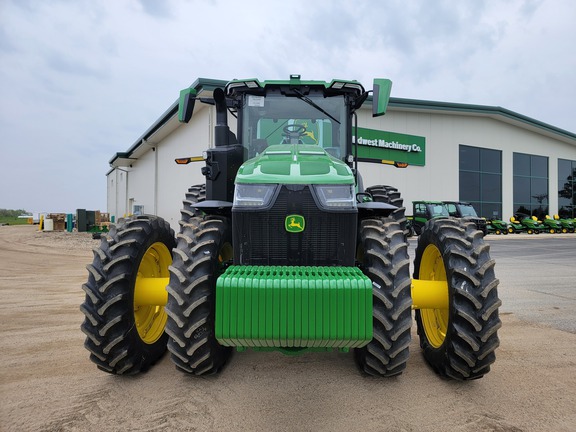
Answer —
260 238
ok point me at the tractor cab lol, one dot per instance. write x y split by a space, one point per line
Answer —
423 211
466 211
294 112
274 115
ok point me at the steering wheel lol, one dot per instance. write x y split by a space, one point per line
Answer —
295 129
293 133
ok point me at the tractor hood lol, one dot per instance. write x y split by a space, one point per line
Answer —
295 164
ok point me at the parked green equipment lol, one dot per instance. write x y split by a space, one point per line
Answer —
551 225
283 249
464 210
497 226
422 212
566 225
516 226
530 224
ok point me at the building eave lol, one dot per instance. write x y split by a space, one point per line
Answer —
132 154
494 112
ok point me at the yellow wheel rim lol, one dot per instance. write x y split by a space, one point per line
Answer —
151 318
226 253
434 321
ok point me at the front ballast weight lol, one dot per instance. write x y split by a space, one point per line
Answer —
147 292
293 308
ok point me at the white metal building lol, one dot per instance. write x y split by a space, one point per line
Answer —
501 161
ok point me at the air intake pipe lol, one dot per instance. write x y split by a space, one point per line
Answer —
222 161
222 134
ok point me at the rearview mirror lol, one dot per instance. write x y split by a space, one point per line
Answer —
380 96
186 104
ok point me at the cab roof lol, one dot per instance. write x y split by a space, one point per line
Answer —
253 84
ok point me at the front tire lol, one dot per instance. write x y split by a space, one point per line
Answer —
204 248
383 257
123 335
458 342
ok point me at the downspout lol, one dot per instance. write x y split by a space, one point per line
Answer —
155 181
125 196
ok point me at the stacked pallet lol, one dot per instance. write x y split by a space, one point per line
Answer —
58 221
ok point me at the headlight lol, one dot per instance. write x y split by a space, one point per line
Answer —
335 197
256 196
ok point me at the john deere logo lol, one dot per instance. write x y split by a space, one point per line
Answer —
294 223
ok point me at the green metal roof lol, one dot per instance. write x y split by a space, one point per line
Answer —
494 111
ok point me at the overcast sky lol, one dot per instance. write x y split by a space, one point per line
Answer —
83 79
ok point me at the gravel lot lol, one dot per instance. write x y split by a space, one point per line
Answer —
48 383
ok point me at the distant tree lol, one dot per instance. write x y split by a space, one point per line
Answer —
12 213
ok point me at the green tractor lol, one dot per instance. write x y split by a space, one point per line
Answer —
566 225
498 227
465 210
422 212
516 226
283 248
530 224
551 225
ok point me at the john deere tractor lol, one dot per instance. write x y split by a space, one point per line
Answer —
283 248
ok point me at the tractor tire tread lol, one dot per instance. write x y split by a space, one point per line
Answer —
391 195
385 261
191 297
195 194
471 339
108 308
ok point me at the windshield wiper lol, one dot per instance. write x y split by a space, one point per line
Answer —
314 104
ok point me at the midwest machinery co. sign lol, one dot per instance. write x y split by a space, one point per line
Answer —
381 146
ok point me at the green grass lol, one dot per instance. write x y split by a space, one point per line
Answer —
12 220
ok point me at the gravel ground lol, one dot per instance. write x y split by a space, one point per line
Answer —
48 383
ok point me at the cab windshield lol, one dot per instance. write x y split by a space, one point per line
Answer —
438 210
467 210
279 119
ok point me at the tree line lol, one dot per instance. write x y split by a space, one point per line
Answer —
12 213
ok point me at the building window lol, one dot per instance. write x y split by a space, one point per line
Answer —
530 185
566 188
481 180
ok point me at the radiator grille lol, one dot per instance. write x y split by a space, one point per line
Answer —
260 238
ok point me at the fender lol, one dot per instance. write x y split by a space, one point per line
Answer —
374 208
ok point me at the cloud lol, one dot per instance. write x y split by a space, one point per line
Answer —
81 80
160 9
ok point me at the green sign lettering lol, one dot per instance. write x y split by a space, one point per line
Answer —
378 146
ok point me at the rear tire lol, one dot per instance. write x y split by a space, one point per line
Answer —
391 195
459 342
204 247
123 337
195 194
383 257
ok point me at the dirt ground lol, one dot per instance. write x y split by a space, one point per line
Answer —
47 382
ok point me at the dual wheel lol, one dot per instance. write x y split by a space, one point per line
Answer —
128 327
454 293
147 291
